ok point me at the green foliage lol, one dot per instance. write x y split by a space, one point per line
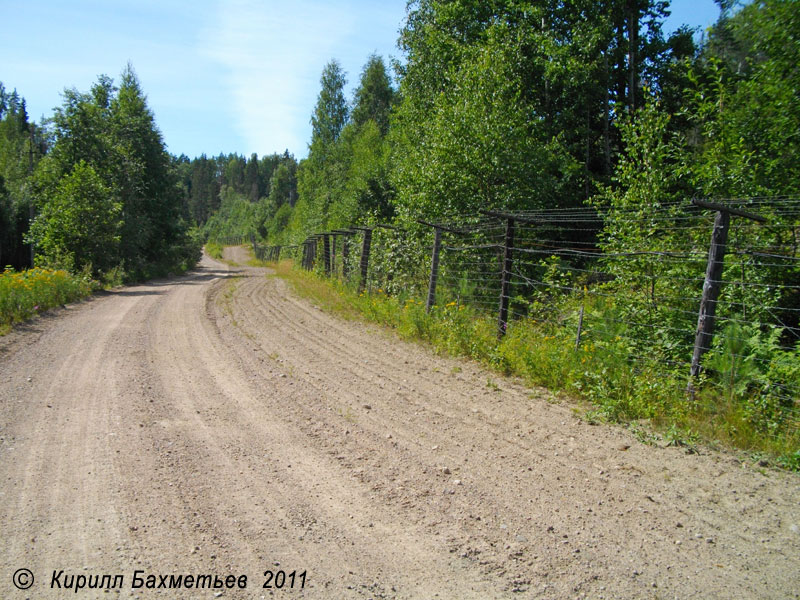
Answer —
755 370
374 96
214 250
279 223
28 293
331 112
108 158
80 224
236 217
344 180
282 185
743 102
726 146
531 106
493 91
477 145
22 145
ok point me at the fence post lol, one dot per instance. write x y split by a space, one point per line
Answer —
437 244
711 286
580 327
326 253
314 252
333 252
365 258
311 255
345 256
713 279
502 319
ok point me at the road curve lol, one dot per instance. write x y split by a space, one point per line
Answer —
216 424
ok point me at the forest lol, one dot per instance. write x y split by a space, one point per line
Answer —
93 188
585 119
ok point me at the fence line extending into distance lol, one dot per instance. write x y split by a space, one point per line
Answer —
702 287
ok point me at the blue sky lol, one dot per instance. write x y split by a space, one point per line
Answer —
220 75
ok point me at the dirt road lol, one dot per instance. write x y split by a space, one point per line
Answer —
216 424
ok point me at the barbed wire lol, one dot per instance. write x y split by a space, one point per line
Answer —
645 288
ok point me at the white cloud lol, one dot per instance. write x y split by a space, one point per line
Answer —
273 54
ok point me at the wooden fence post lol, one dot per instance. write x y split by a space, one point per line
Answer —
312 253
580 327
502 319
365 257
333 252
713 280
437 244
326 253
346 257
711 286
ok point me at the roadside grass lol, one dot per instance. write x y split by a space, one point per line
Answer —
255 262
24 294
599 372
214 250
217 252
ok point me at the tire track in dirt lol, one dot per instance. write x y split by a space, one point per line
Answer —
399 389
486 492
240 423
420 422
66 512
600 479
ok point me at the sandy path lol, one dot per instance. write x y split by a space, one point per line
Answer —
215 424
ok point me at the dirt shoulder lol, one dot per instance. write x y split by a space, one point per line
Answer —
240 255
215 423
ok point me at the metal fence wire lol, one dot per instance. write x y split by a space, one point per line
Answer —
709 290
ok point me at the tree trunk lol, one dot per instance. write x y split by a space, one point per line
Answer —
633 41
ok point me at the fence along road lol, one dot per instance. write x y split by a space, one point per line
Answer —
215 423
625 279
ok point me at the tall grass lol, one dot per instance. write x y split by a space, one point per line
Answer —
599 371
23 294
214 250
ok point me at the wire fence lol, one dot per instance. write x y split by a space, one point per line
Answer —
233 240
707 294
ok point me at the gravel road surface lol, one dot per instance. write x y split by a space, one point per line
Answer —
215 424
